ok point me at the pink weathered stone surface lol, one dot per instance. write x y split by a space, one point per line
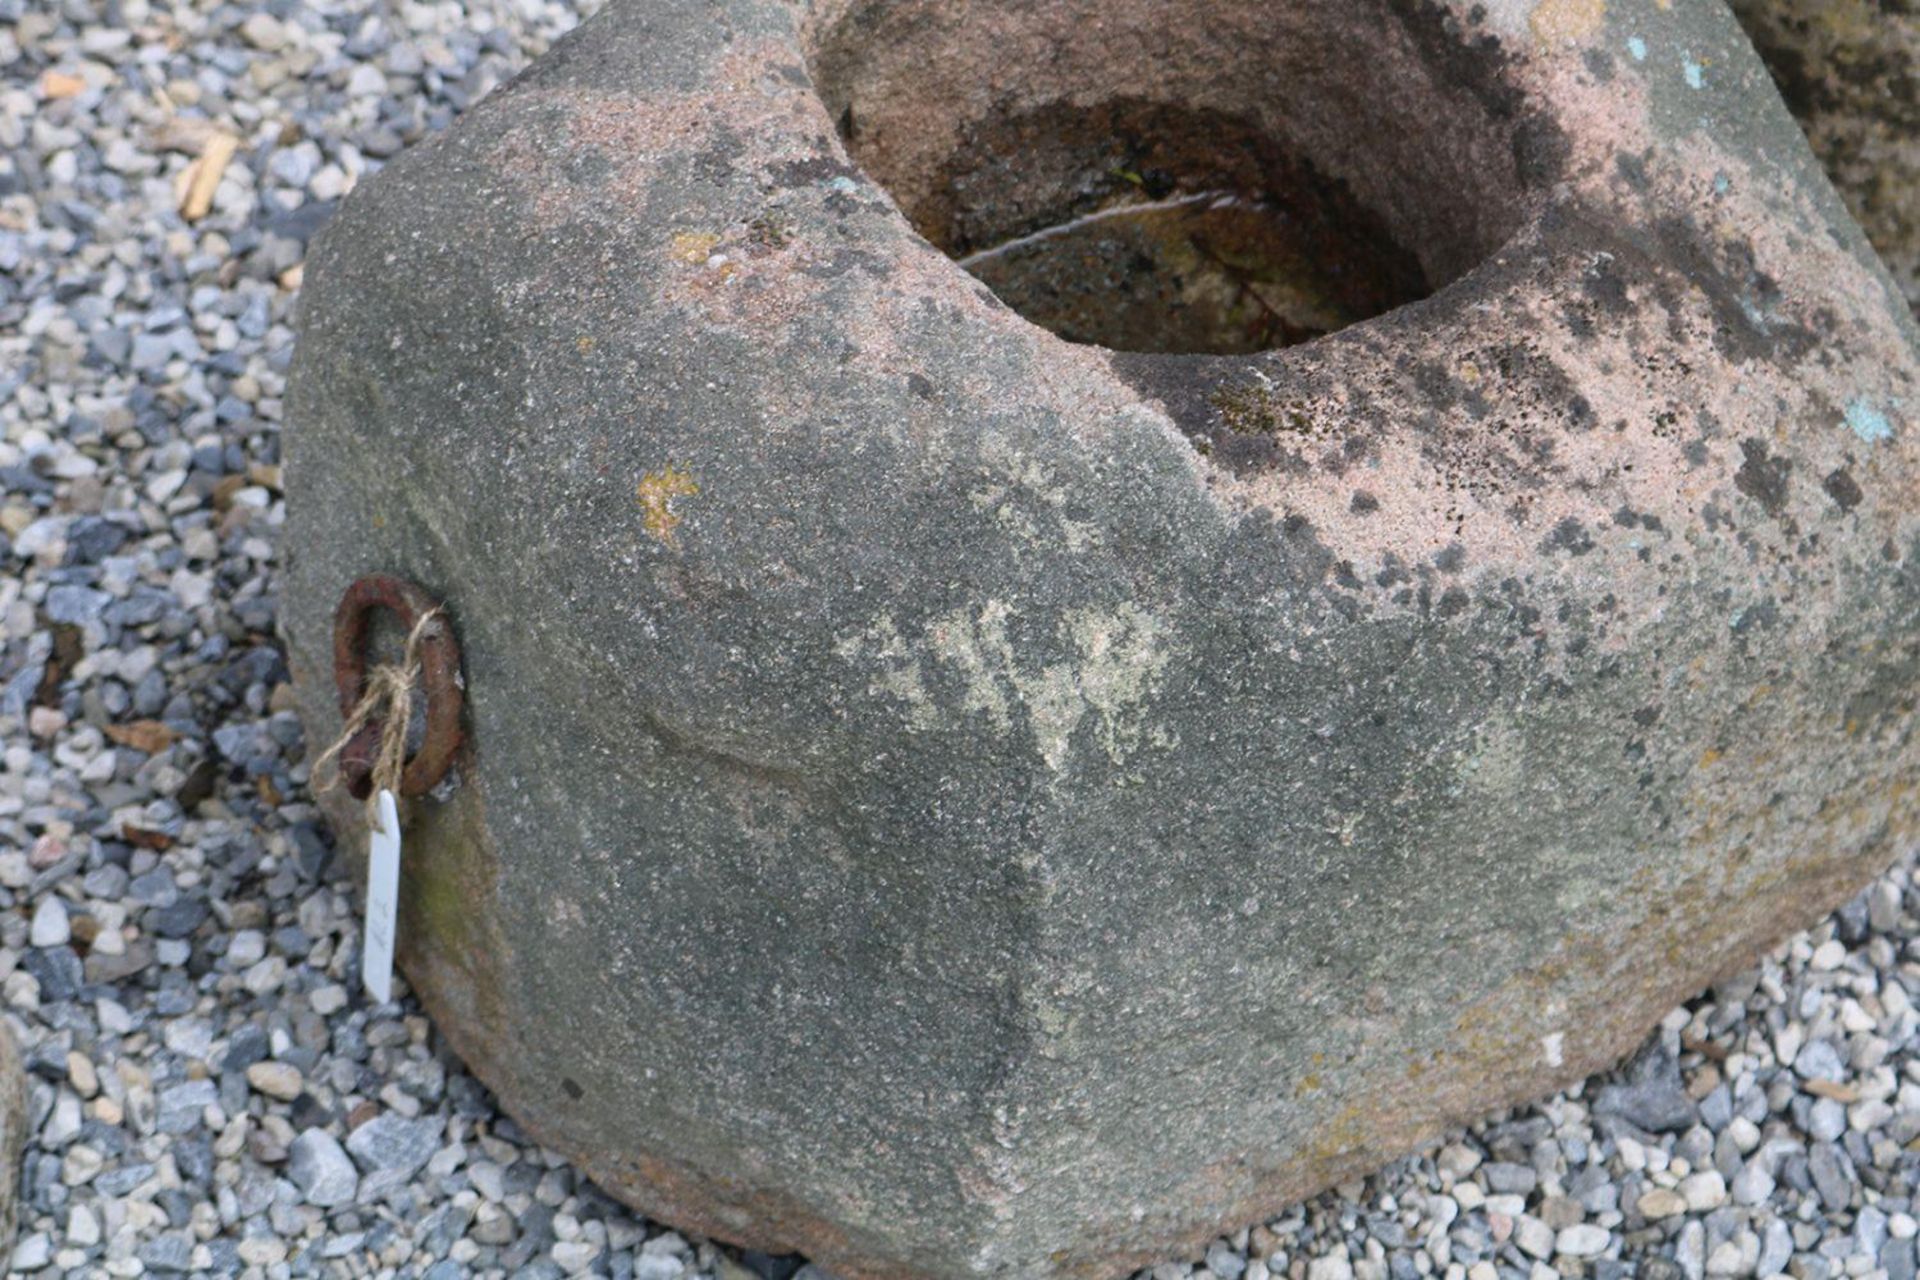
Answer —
956 801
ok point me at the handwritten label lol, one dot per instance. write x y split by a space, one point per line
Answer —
383 901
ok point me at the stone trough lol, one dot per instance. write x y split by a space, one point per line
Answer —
1082 618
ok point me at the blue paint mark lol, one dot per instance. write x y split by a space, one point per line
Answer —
1722 184
1867 422
1637 47
843 184
1694 73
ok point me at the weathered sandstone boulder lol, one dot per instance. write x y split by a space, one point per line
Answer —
958 801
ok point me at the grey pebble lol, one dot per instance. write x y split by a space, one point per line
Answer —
320 1168
1776 1249
171 1251
1656 1102
1827 1120
68 604
1897 1259
1510 1179
1869 1231
1819 1060
1753 1184
1824 1165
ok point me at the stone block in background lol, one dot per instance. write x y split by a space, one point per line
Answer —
1850 72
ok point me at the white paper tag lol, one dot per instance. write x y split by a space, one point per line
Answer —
383 901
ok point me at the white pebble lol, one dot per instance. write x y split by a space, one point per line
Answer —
1534 1237
51 927
1331 1266
1703 1191
1582 1240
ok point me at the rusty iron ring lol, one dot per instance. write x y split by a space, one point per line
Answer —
439 683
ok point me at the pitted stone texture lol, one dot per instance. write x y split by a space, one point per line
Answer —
953 802
1850 71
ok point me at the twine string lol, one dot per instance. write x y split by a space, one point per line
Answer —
388 697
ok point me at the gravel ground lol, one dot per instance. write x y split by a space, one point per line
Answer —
210 1092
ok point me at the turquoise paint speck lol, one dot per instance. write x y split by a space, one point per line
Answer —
1694 73
1867 422
1637 47
1722 184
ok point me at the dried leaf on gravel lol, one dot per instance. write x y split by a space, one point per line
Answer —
149 736
207 171
58 85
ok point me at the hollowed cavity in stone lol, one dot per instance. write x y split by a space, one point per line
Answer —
1181 175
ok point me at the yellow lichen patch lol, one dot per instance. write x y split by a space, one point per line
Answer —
583 344
1557 22
694 246
657 491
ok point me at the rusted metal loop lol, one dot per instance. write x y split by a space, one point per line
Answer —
439 682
